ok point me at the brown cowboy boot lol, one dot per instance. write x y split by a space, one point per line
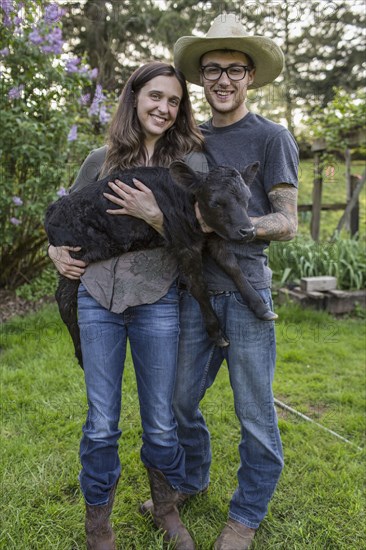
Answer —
99 532
147 507
165 512
235 536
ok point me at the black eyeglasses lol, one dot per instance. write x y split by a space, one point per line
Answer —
234 72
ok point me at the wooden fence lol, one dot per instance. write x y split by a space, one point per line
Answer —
353 187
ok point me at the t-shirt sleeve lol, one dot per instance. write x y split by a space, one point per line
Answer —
197 161
282 161
90 169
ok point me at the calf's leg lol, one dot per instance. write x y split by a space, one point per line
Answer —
227 261
190 266
67 300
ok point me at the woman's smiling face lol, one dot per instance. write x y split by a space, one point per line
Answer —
158 105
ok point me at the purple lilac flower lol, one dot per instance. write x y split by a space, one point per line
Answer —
7 6
53 48
15 221
72 65
62 192
53 13
35 37
53 41
17 201
94 73
104 116
16 92
73 134
94 107
98 98
84 99
4 51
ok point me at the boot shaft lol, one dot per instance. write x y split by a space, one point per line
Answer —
98 529
165 511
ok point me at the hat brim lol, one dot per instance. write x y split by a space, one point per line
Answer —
268 58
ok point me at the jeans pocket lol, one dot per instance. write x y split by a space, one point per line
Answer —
264 293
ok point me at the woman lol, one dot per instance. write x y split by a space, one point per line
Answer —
133 297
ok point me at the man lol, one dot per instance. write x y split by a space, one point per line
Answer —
226 62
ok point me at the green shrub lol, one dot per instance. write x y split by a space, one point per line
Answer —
43 285
342 258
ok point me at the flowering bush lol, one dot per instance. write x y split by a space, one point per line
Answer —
52 115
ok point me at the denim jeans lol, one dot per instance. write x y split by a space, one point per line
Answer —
251 361
153 332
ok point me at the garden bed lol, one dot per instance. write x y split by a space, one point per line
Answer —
334 301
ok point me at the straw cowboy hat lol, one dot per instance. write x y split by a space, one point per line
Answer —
227 32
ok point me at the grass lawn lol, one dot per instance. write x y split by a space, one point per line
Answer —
318 504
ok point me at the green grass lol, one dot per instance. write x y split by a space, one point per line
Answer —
318 504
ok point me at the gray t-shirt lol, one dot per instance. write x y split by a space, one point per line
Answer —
253 138
135 278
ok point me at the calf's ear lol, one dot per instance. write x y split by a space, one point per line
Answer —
185 177
249 172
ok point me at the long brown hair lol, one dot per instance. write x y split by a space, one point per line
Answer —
126 138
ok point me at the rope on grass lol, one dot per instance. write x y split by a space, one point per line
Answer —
308 419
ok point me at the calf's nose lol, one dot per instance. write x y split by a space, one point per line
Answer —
247 234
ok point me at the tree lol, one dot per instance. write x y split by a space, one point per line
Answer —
322 41
115 36
327 52
47 126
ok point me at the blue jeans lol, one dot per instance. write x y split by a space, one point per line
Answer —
153 332
251 361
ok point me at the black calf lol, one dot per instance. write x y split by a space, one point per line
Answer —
80 219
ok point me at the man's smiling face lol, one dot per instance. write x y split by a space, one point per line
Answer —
225 96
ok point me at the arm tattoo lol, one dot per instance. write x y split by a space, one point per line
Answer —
281 224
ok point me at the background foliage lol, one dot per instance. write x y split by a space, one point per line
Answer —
342 116
322 41
48 123
343 259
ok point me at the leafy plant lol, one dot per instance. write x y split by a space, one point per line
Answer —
342 258
345 114
50 120
43 285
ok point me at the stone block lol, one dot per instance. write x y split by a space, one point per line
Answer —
318 284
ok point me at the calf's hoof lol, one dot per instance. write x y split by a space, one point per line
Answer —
222 341
269 316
